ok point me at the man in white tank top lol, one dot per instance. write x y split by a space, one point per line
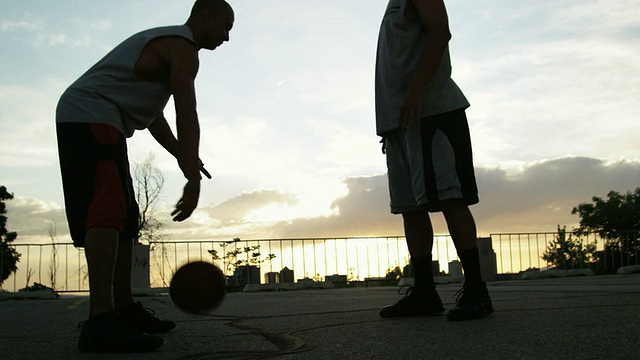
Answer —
126 91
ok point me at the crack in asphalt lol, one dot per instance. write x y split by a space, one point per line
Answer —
286 342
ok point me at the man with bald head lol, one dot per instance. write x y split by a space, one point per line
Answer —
125 91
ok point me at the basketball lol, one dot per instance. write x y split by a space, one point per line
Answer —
197 287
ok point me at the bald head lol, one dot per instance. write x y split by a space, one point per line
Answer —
211 21
215 7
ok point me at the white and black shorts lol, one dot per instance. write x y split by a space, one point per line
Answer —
431 162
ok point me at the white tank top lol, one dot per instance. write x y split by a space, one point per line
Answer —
108 92
400 49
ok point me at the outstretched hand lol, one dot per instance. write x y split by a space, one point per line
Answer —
188 203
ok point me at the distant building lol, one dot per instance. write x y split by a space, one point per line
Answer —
244 275
272 277
336 279
487 257
286 275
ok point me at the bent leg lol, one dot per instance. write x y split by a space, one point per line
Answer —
101 248
122 293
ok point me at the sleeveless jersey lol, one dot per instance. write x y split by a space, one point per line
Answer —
108 93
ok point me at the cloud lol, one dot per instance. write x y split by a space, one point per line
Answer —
28 126
544 193
245 215
241 206
47 40
43 35
537 199
596 17
32 219
364 211
548 75
102 25
21 25
566 94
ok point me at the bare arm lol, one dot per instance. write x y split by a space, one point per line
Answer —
433 16
184 67
161 131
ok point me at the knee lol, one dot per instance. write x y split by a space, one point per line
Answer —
415 217
453 207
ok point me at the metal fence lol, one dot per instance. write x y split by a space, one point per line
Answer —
60 266
63 267
357 258
516 252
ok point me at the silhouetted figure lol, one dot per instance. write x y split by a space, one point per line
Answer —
420 114
126 91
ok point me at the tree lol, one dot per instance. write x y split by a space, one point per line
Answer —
393 273
9 257
234 259
567 252
617 221
148 182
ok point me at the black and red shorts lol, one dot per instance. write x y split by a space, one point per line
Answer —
97 185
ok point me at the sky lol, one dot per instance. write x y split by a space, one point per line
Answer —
287 112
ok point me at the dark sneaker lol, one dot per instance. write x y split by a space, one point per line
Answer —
144 320
108 333
473 302
414 303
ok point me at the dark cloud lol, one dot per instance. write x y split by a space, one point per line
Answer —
535 200
364 211
543 194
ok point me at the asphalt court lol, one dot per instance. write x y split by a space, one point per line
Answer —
580 317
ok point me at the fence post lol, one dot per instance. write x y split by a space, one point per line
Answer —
488 266
140 271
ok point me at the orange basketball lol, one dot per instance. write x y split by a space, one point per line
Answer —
197 287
